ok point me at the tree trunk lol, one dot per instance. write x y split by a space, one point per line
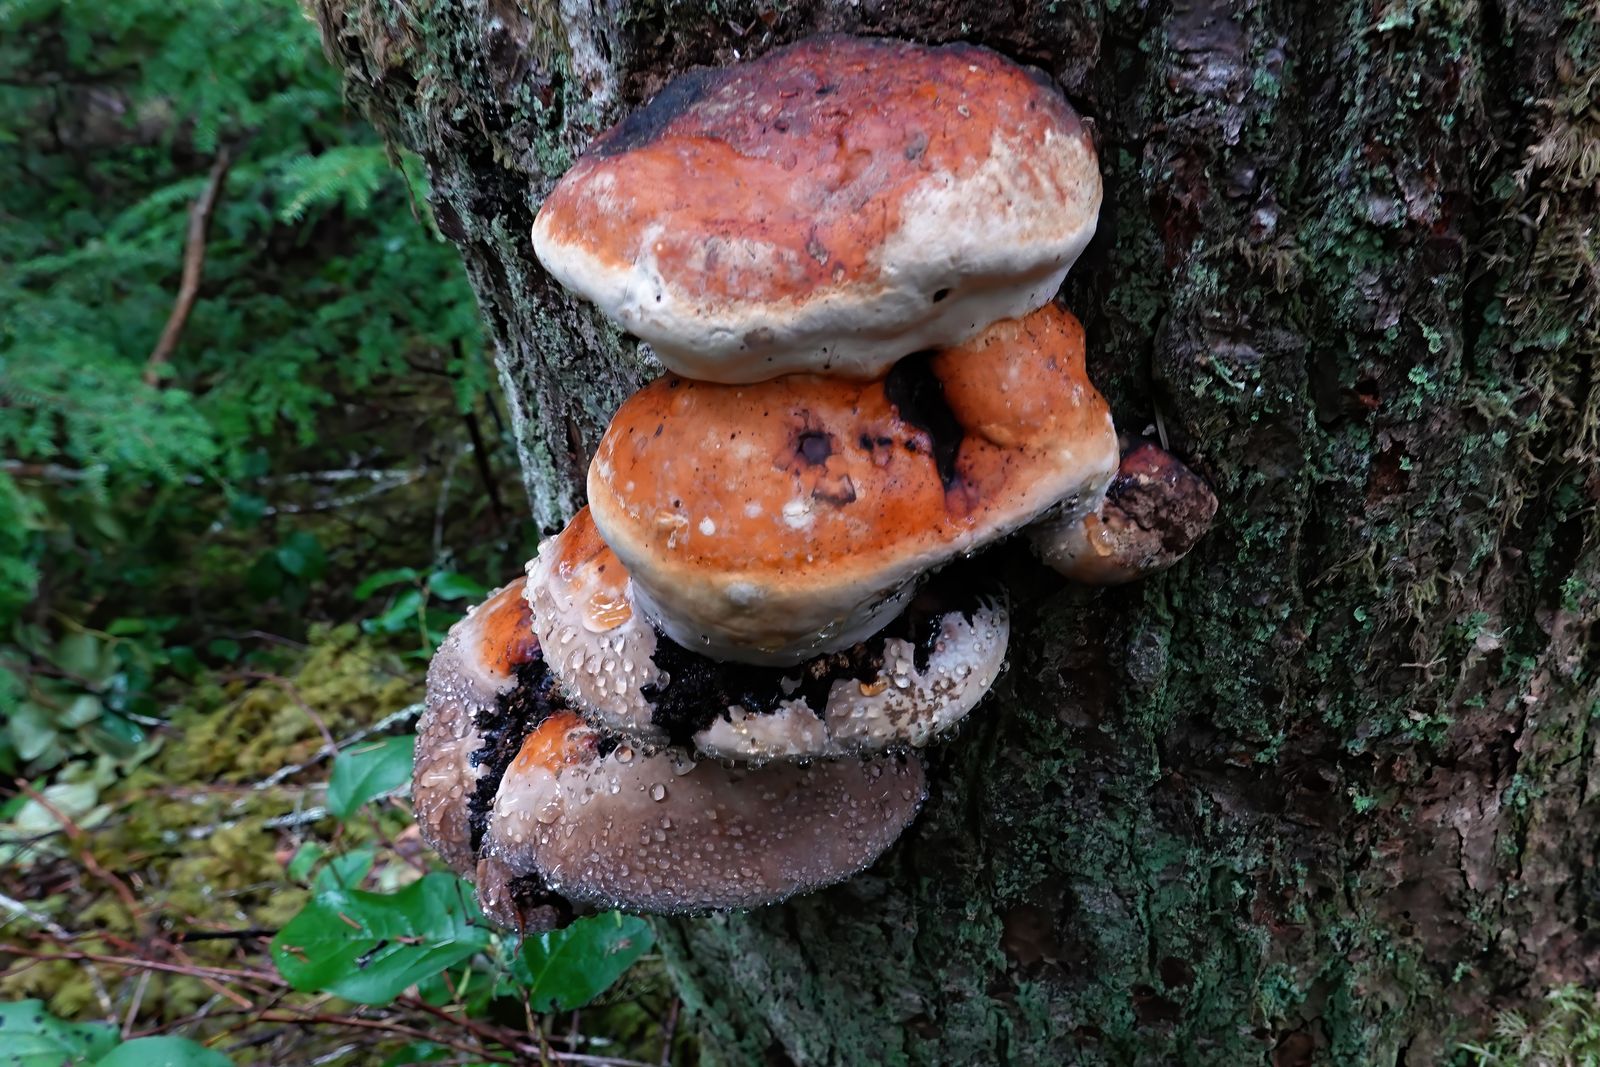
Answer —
1321 794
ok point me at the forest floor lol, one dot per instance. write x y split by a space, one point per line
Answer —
149 894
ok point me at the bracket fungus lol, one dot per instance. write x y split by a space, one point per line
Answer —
474 667
551 816
710 689
900 686
772 522
830 206
607 825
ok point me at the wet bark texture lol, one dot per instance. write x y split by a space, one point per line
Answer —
1320 795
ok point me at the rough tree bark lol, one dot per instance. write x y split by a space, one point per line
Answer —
1322 794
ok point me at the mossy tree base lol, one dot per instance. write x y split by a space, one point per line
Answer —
1322 794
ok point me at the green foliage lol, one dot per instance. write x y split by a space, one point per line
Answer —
409 608
33 1038
368 771
89 691
1566 1035
323 288
566 969
164 1051
370 947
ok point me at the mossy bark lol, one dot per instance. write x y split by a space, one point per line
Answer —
1320 795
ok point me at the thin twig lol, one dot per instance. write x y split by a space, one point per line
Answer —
378 488
293 693
192 970
39 919
60 933
410 711
480 453
297 818
186 936
194 258
210 983
133 1005
75 835
439 510
669 1030
382 1025
318 813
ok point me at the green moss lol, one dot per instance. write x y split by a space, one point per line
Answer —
188 827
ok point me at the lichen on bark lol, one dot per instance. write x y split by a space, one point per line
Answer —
1321 795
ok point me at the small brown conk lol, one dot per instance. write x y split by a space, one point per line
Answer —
1154 511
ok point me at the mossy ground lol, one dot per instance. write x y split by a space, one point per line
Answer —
198 848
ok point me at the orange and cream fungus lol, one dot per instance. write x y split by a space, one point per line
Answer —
596 645
828 207
476 665
774 522
902 686
611 826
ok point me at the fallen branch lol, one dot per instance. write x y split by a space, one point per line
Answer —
194 258
39 919
406 713
226 974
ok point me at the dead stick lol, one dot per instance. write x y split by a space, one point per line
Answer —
194 257
191 970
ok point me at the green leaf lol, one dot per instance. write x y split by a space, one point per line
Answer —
384 579
568 968
33 1038
301 555
32 728
371 947
399 616
83 710
418 1052
183 660
116 735
304 859
164 1052
246 509
344 872
448 585
363 772
264 578
79 654
224 648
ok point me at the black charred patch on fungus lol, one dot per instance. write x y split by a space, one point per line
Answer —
504 727
651 121
702 689
918 396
